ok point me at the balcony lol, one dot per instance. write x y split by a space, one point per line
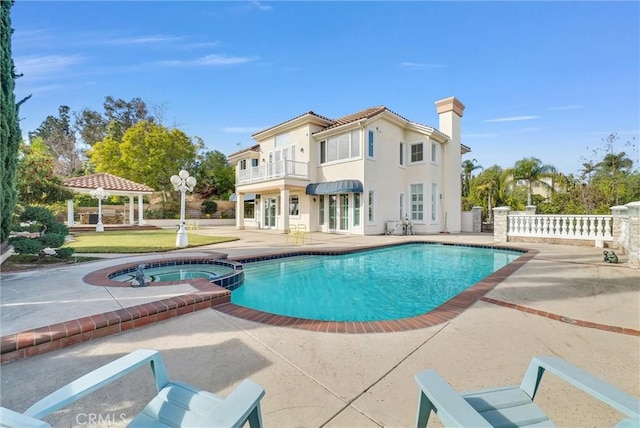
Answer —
279 169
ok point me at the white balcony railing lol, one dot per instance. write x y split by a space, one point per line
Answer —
595 227
279 169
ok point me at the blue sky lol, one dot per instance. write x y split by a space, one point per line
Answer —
544 79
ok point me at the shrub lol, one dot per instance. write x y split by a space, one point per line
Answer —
53 240
26 245
38 214
209 206
230 213
65 253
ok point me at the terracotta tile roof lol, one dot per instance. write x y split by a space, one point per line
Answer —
299 116
354 117
254 148
107 182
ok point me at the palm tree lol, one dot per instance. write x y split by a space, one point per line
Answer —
615 165
468 166
587 170
490 185
532 170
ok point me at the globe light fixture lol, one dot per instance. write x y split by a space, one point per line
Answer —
99 194
182 182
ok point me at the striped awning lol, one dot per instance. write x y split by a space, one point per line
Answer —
334 187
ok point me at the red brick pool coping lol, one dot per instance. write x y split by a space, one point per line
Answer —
44 339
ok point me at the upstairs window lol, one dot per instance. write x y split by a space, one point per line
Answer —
341 147
370 143
254 162
401 154
434 152
243 164
282 140
417 152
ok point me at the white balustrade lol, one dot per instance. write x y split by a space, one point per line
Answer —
279 169
594 227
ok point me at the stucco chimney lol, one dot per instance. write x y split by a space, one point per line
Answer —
449 115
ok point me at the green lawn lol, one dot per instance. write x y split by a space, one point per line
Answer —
136 241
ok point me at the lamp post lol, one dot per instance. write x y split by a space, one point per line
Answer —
182 182
99 194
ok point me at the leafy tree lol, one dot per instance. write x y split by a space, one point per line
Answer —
58 134
37 182
119 115
216 177
487 190
588 168
10 135
148 153
468 166
532 170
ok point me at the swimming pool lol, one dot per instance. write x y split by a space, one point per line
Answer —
382 284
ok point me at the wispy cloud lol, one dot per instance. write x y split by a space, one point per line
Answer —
242 129
31 38
530 129
261 6
565 108
141 40
198 45
512 118
209 61
480 135
420 66
43 66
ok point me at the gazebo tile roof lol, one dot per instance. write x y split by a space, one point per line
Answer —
107 182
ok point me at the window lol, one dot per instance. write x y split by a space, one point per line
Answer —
345 146
321 210
294 205
249 210
401 206
332 211
434 152
254 162
434 202
370 143
282 140
344 211
370 206
417 152
417 202
401 154
356 209
243 164
355 144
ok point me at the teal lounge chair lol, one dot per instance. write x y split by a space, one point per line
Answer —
176 405
514 406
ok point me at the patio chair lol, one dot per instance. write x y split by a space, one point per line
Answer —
293 233
177 404
303 233
513 406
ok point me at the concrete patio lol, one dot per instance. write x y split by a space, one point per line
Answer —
340 380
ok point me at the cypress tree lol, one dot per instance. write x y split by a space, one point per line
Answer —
10 135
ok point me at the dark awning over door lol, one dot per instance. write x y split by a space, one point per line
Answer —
334 187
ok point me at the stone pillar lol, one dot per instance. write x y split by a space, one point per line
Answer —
617 212
530 210
633 252
140 210
500 226
284 211
132 218
240 211
70 213
476 215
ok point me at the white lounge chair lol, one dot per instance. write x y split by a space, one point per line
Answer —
513 406
176 405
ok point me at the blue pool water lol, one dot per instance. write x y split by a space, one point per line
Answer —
388 283
177 273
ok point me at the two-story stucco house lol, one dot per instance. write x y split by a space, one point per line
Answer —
353 174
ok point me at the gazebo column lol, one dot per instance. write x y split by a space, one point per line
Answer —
131 210
140 210
70 215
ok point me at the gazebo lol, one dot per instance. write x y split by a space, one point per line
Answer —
116 186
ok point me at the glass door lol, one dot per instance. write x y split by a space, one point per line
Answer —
344 212
333 208
269 212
